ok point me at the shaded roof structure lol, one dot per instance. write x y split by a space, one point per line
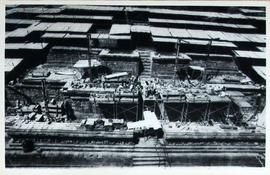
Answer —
85 63
261 70
11 63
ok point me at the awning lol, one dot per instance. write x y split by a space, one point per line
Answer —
261 70
117 29
140 29
85 63
150 121
250 54
160 31
116 75
241 102
199 68
11 63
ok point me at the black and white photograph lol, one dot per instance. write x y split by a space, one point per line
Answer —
134 86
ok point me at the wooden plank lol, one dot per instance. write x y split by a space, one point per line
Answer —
74 17
94 8
34 10
34 46
42 26
53 35
233 37
261 70
197 13
164 40
68 35
200 23
191 54
263 49
120 37
20 32
223 44
259 18
207 34
69 27
250 54
120 29
137 9
20 21
140 29
217 35
245 10
80 27
11 63
255 38
179 33
202 34
13 46
30 46
160 31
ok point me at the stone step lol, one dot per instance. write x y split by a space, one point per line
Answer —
156 158
145 76
146 73
149 163
146 61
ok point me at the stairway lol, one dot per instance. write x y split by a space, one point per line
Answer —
149 161
153 155
146 58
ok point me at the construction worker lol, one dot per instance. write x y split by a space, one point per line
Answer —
67 109
103 81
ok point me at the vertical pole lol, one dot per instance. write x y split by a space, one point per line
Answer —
206 115
176 59
182 112
228 110
114 105
206 60
137 113
187 106
163 110
116 109
89 55
126 15
45 98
